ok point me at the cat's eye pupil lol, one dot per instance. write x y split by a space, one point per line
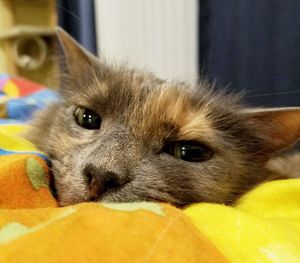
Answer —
87 119
189 151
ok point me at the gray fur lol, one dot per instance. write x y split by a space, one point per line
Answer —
140 114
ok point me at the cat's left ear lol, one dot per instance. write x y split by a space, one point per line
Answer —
75 57
278 128
78 67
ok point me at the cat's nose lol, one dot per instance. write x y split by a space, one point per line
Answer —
100 181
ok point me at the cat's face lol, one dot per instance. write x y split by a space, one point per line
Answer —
122 135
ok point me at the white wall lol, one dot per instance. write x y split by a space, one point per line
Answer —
159 35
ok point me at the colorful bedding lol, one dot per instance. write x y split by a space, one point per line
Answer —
264 226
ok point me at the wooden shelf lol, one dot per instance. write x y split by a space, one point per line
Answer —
27 27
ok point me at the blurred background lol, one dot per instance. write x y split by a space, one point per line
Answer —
248 45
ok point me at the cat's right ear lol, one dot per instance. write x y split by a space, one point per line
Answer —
76 64
277 129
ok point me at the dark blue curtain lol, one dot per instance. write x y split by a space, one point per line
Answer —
78 18
253 45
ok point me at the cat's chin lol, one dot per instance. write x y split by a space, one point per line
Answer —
116 197
121 197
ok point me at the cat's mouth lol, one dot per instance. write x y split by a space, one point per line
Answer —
113 198
125 195
118 199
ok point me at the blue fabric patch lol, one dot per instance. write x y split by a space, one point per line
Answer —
24 107
11 121
5 152
3 76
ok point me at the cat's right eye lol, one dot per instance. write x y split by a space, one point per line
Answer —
87 119
189 151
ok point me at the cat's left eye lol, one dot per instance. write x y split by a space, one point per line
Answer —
87 119
189 151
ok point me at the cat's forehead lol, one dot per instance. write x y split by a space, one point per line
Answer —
168 110
149 106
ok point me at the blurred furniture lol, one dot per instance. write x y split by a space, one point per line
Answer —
27 38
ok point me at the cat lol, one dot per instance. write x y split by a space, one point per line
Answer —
123 135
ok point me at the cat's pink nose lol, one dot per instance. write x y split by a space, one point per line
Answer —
100 181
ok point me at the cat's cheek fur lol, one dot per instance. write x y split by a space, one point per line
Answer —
70 185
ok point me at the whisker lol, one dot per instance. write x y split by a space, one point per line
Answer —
70 12
273 93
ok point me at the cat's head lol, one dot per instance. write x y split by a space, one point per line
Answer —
124 135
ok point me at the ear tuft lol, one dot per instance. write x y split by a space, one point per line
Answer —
78 67
76 58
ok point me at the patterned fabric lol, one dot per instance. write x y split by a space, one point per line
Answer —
20 98
136 232
264 226
24 175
